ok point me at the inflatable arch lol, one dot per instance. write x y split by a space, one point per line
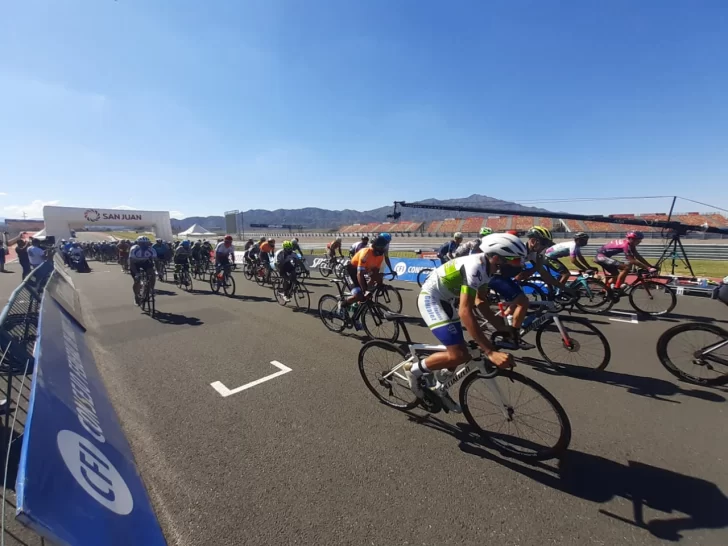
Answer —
59 221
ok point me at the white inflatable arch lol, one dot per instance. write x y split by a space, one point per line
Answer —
59 221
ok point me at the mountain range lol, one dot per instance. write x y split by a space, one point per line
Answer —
312 217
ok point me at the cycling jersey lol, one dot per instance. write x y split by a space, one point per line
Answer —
182 254
222 250
366 260
160 249
466 274
617 246
356 247
447 248
285 256
471 247
266 248
139 253
562 250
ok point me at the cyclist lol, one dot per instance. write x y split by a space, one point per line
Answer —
571 249
182 256
613 267
331 249
465 279
161 249
366 261
266 249
254 251
447 251
296 246
539 239
223 252
388 238
286 260
123 247
356 247
472 247
141 257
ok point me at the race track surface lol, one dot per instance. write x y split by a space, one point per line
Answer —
311 457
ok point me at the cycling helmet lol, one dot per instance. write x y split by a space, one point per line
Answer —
143 240
485 231
250 241
185 244
338 239
287 245
271 241
635 235
386 236
503 244
228 238
365 239
158 240
379 242
581 235
261 240
457 235
294 240
539 233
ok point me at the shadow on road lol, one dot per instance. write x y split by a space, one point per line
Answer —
695 503
650 387
677 317
159 292
175 319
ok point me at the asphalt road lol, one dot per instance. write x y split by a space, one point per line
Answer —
310 457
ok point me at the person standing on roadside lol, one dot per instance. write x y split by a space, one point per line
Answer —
36 255
21 248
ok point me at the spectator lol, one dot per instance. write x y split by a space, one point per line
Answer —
35 254
21 248
2 257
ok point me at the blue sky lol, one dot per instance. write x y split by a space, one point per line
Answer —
200 107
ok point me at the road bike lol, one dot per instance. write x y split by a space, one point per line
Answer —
265 274
224 280
145 295
586 293
328 266
161 269
508 410
368 315
184 279
385 294
695 352
425 272
296 291
646 296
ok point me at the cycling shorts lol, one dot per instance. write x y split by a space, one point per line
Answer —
444 326
610 265
352 280
142 264
556 264
507 288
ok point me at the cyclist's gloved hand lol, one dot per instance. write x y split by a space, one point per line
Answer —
501 360
652 270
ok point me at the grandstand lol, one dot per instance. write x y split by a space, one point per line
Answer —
472 225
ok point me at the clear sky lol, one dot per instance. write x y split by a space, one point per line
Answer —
204 106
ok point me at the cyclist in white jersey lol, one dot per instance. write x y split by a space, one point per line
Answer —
465 279
571 249
142 256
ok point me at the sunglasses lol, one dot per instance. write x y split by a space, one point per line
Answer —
513 260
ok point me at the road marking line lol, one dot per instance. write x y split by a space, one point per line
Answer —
224 391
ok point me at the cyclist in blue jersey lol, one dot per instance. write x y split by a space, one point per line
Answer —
447 251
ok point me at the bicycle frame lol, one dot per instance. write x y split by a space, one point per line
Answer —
714 347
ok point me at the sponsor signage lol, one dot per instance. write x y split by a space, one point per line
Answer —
93 215
77 480
406 268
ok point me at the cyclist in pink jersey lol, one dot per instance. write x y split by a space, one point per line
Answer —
628 246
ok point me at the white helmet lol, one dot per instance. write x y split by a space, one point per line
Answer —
457 235
338 239
503 244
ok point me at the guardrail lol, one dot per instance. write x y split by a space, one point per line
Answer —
77 481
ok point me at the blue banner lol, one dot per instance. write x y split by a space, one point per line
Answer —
77 481
408 268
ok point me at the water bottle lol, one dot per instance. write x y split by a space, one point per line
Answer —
354 307
528 321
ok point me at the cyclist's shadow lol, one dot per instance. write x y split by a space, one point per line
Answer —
699 503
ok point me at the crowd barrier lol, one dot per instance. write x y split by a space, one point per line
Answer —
77 482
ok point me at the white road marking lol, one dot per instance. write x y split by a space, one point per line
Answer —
224 391
630 318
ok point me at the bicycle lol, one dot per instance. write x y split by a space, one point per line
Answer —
223 279
487 393
368 313
385 294
299 292
249 269
642 292
327 266
265 274
145 296
590 295
702 360
161 269
423 273
184 279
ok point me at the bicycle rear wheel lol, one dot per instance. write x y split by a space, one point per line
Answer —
214 283
248 271
377 358
516 415
376 326
585 351
593 297
682 351
324 268
187 281
390 298
652 298
327 306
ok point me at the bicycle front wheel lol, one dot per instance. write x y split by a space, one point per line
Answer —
379 366
516 415
652 298
187 281
228 285
376 326
324 269
580 350
327 307
278 293
248 272
214 283
593 297
422 275
301 296
695 352
390 298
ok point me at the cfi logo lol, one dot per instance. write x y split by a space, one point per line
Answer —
400 268
92 215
